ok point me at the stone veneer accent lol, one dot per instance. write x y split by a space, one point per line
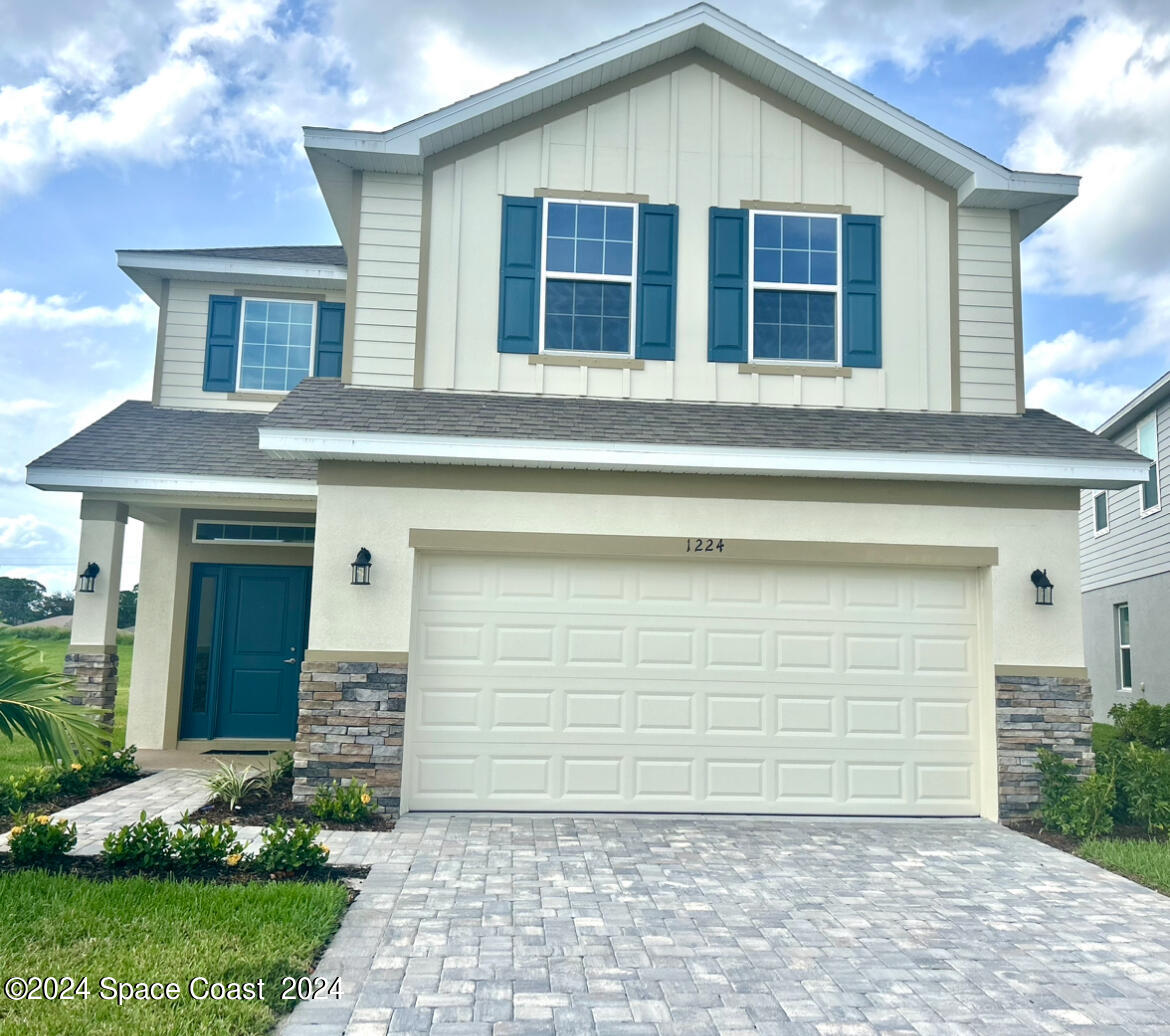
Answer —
96 678
350 728
1039 711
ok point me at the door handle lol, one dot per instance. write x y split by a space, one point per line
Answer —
290 661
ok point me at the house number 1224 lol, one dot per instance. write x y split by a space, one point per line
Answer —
704 546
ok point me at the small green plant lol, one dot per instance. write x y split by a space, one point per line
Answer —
144 846
232 787
1079 808
201 847
1144 780
40 840
280 767
1143 722
289 849
347 803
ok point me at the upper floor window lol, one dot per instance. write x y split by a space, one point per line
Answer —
1100 512
587 295
795 287
276 349
1147 443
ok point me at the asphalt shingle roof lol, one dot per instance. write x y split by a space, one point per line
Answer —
326 404
328 255
138 436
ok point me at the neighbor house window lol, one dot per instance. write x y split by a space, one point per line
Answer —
588 277
1124 666
1100 512
795 287
254 533
1147 436
276 344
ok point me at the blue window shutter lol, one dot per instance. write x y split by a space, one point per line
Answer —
657 281
223 337
520 275
861 275
330 335
727 306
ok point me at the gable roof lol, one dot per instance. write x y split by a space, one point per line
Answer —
1138 407
979 181
321 417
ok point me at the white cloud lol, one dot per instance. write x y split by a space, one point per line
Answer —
1071 353
28 540
20 407
1086 403
101 405
56 312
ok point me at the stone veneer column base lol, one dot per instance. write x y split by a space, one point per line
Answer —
1032 712
96 678
350 729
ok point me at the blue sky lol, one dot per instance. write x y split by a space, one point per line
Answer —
129 123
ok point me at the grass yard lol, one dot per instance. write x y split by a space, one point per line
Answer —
137 930
1145 862
19 754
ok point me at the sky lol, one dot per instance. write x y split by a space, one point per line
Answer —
177 123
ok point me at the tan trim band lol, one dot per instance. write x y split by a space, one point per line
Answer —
322 655
792 369
584 545
160 340
793 206
956 339
301 296
257 397
557 192
352 254
605 362
1017 309
1074 672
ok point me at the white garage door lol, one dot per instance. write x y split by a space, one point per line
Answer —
691 685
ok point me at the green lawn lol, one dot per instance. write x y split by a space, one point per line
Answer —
1145 862
19 754
138 930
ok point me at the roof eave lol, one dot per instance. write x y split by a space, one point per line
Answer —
1137 407
82 480
149 269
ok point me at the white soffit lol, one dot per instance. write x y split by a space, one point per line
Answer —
148 269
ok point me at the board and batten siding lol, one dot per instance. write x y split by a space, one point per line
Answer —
988 349
1135 546
696 138
184 346
386 290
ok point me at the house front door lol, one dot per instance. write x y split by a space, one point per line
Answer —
246 639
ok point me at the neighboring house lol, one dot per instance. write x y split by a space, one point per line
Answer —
673 393
1125 563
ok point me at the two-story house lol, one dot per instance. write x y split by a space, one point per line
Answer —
1125 564
655 440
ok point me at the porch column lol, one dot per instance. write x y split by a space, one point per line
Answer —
93 647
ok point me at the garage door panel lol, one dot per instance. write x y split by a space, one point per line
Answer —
561 683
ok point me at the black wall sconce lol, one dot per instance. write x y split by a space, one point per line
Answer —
87 578
361 568
1043 586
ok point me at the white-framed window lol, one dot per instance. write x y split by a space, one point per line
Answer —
587 295
277 342
1100 513
1121 632
795 277
272 534
1147 444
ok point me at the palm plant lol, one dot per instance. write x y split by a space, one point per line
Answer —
33 705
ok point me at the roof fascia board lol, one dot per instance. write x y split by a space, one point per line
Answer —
177 264
427 449
75 480
1137 406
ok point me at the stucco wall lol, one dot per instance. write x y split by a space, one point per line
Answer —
1148 600
1030 528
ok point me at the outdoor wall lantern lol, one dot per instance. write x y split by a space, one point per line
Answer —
361 568
1043 586
87 578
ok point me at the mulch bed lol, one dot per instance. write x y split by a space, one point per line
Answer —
61 801
262 810
1034 828
92 868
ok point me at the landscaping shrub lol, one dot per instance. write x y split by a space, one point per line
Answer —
40 840
286 849
347 803
145 845
1079 808
45 783
279 767
196 848
1143 777
231 786
1142 722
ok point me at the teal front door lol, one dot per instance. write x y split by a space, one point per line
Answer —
246 637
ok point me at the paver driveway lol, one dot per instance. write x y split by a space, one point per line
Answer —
630 924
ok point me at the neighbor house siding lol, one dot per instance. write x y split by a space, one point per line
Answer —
184 343
1135 547
696 137
988 348
386 289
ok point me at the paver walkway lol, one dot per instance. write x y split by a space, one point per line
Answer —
508 924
